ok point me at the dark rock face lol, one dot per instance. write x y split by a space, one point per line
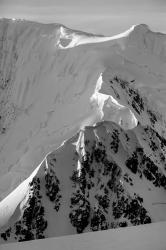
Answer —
80 212
33 223
124 90
103 193
52 187
103 175
130 208
115 141
109 182
136 100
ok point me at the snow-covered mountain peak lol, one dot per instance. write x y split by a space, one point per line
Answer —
103 177
43 86
71 38
93 103
140 28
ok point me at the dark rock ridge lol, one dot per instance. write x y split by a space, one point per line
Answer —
111 177
103 177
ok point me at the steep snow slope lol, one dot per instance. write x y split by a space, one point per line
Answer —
55 81
103 177
147 237
48 76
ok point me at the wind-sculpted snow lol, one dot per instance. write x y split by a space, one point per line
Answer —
55 81
46 90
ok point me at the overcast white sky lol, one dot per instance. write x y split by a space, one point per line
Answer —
107 17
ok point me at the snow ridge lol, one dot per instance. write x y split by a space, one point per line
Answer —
103 177
109 92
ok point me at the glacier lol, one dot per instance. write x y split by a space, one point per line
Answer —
71 94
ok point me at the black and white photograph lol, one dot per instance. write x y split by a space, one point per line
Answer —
82 125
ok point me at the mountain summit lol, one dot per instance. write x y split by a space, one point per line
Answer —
82 130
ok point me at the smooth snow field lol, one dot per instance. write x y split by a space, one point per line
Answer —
149 237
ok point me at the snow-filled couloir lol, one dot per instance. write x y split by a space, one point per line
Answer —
98 104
